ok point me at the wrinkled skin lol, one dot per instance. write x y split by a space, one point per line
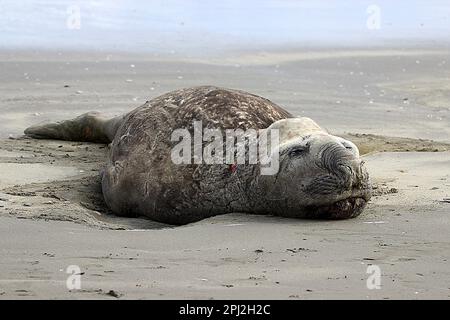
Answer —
320 175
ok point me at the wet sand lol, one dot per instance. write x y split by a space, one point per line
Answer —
394 104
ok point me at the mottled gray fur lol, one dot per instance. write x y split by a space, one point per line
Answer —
320 176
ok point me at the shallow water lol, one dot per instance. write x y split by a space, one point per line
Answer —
202 27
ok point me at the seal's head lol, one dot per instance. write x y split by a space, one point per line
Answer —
319 176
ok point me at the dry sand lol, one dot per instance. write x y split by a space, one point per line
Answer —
395 105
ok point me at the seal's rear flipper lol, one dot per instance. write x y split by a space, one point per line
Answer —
90 127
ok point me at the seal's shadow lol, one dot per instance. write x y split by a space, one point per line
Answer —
77 200
88 193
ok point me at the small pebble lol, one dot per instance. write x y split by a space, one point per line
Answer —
114 294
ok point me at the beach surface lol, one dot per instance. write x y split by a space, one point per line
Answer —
394 104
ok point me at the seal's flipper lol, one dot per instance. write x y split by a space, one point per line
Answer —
91 126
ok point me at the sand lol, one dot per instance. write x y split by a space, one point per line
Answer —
394 104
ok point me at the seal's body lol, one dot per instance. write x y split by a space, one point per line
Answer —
319 175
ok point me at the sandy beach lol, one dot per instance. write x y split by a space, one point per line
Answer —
393 103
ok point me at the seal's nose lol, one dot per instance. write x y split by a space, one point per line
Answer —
351 172
354 167
356 174
337 156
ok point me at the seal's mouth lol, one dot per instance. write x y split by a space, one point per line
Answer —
343 209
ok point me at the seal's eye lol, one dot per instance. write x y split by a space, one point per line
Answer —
298 151
347 145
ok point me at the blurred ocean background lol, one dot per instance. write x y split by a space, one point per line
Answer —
192 27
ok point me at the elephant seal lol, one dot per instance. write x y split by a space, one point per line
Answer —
319 175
